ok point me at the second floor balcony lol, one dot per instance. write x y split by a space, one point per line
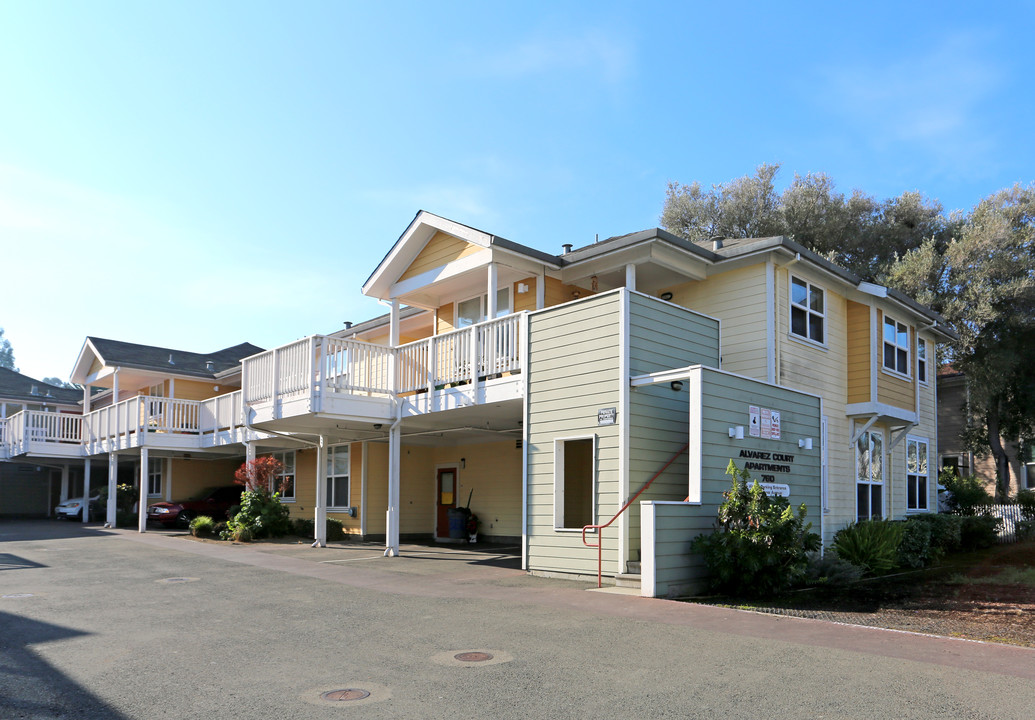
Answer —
336 376
41 433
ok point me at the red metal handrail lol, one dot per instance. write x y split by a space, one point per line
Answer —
600 536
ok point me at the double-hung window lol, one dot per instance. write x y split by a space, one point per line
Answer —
808 314
284 481
338 476
896 346
921 360
475 310
869 476
154 477
916 474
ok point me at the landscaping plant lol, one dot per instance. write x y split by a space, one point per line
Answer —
261 513
202 526
914 550
966 494
870 544
760 546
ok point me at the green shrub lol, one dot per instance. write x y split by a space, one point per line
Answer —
830 570
240 533
760 546
303 527
871 544
966 494
1026 499
125 518
125 497
335 530
202 526
219 530
945 531
262 514
979 532
914 550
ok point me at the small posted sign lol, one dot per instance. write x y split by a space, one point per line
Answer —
607 416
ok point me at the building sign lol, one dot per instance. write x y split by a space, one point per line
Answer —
763 465
775 489
607 416
764 423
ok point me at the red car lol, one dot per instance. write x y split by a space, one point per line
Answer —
213 502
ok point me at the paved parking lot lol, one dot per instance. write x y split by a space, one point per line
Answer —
101 624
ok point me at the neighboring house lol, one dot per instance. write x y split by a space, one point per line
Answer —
544 391
36 475
953 416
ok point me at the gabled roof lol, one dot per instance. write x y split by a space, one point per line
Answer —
168 361
18 387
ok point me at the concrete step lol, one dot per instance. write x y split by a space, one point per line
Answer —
627 580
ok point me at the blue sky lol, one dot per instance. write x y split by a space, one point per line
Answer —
195 175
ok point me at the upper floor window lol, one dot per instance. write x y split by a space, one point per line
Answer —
475 310
896 346
921 360
807 310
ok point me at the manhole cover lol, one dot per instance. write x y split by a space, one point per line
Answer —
16 595
345 695
473 656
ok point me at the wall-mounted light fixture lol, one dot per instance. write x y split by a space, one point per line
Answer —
522 288
805 443
378 426
665 296
737 432
676 385
463 463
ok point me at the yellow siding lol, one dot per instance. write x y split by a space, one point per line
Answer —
557 292
440 250
95 366
190 476
445 321
860 362
304 505
491 477
738 299
198 390
525 301
893 390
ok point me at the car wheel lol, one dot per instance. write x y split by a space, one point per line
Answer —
183 519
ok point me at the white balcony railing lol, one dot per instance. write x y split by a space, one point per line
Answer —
35 430
322 364
5 452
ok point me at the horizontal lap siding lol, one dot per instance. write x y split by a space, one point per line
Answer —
491 479
573 372
440 250
859 360
662 337
676 527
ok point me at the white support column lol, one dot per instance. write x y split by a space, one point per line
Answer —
320 518
392 526
363 489
86 491
115 387
64 482
540 291
630 276
86 399
393 341
493 285
249 451
113 480
142 501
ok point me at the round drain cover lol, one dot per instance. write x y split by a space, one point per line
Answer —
473 656
344 695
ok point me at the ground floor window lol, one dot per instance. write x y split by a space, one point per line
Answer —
574 482
338 476
916 474
154 477
285 479
869 476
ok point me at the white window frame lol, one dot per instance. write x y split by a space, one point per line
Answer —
331 477
155 466
921 361
913 474
810 287
285 471
483 306
896 346
869 481
558 482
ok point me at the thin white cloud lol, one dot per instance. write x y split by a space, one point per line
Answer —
593 51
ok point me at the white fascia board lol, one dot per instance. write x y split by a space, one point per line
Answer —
443 272
873 289
883 411
606 262
82 365
664 376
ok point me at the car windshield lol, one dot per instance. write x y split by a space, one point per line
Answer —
207 492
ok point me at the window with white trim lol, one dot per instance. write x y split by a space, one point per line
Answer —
284 481
475 310
808 315
921 360
338 476
154 477
916 473
896 346
574 482
869 476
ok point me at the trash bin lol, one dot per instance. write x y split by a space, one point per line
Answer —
458 523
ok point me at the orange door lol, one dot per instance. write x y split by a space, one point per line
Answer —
446 500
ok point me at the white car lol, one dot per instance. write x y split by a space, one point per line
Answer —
72 509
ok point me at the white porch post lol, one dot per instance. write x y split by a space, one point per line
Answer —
393 328
115 387
392 526
249 451
493 282
540 291
113 480
630 276
142 501
320 521
363 490
86 399
86 491
64 482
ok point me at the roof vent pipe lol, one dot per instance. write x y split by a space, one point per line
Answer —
717 242
171 359
348 324
209 365
35 390
567 248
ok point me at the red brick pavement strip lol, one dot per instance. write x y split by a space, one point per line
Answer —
973 655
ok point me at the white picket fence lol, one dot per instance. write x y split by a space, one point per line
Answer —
1009 514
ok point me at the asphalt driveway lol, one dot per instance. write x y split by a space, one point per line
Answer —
101 624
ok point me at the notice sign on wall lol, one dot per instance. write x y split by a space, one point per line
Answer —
764 423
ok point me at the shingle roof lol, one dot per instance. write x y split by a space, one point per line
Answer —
15 386
148 357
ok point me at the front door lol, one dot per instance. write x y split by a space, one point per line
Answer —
445 500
